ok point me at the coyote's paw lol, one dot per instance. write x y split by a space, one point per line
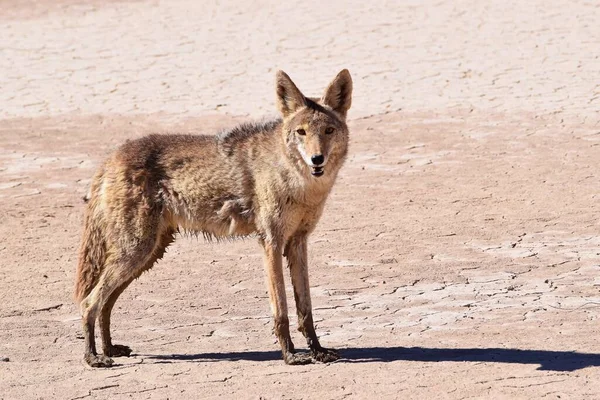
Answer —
298 358
98 361
117 350
325 355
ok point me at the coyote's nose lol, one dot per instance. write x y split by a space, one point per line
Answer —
318 159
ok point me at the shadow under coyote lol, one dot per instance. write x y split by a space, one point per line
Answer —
549 360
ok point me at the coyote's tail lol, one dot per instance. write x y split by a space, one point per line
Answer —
92 256
93 250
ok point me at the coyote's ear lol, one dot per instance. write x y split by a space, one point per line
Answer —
338 94
289 97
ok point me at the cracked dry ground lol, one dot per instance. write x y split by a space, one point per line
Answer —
458 256
463 263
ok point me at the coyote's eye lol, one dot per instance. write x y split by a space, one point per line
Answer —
301 132
329 130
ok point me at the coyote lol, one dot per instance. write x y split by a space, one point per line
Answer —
268 179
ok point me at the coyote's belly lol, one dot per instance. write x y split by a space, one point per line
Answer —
208 195
230 219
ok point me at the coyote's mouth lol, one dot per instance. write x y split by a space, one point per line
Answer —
316 171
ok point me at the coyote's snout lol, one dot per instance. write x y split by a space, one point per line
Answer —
269 179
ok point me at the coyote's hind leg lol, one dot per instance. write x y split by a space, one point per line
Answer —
90 306
108 348
118 273
116 350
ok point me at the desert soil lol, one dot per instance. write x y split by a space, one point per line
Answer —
458 256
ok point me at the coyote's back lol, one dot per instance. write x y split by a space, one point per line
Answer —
270 179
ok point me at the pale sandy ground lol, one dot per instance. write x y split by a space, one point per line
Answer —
458 256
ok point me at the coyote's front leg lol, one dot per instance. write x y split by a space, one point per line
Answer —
296 253
274 268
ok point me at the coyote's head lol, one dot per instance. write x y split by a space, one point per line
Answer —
315 130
